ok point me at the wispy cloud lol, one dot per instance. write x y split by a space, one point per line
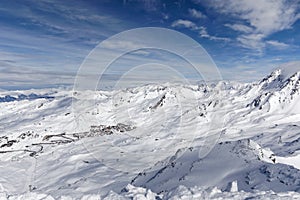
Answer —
261 18
44 40
279 45
185 24
120 44
249 72
16 77
148 5
52 36
240 27
202 31
252 41
204 34
290 68
37 51
71 20
196 14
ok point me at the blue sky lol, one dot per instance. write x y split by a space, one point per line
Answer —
43 43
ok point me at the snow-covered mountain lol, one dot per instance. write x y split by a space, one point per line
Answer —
223 140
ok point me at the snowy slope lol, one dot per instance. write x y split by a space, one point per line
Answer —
155 141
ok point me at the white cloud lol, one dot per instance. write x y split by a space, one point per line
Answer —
204 34
277 44
267 16
240 28
253 41
185 24
264 17
16 77
120 44
201 29
196 14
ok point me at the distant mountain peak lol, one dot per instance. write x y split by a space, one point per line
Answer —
272 80
292 84
277 90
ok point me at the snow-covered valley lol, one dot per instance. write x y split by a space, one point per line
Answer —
226 140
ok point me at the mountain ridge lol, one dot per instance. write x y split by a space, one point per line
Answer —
78 142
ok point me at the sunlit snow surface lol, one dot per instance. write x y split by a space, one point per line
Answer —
216 141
